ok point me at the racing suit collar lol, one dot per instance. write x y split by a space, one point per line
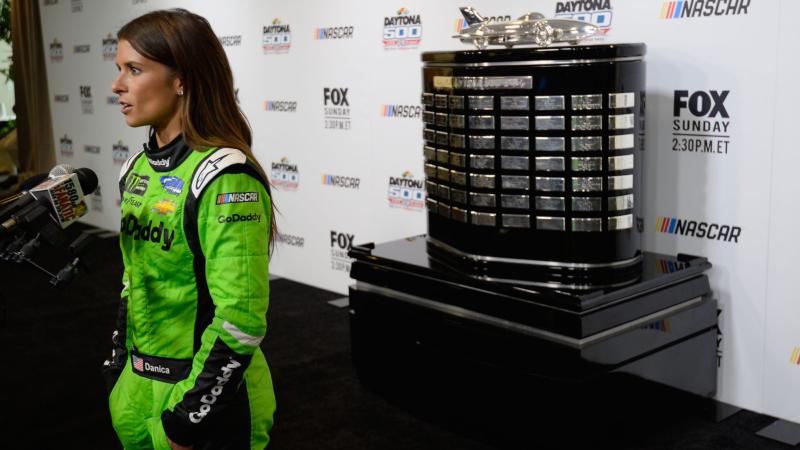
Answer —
168 157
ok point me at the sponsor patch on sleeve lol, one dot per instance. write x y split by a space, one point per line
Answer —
237 197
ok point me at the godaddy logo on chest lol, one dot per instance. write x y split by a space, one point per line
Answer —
147 232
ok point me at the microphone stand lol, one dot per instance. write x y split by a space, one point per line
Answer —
20 249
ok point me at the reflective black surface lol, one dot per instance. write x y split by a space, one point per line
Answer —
661 328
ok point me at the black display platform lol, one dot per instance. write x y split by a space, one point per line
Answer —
413 316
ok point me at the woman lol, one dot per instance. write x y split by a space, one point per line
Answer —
196 230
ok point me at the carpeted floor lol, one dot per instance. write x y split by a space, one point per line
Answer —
52 343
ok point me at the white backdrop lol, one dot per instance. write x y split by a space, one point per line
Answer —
721 107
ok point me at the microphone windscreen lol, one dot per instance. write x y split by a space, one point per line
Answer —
88 180
61 169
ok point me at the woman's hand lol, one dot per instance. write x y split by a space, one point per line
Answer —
175 446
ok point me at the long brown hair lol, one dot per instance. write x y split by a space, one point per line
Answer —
211 117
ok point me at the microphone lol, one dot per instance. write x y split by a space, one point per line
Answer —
28 184
24 187
61 197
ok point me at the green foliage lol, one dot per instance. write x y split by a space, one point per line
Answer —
5 35
7 127
5 21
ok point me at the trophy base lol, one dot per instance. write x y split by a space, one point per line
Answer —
416 321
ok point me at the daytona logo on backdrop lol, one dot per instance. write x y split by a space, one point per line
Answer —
280 105
461 23
61 98
56 51
109 47
683 9
66 146
342 32
50 2
93 149
86 100
112 100
285 176
336 108
596 12
76 6
291 240
230 41
402 31
120 153
341 243
703 230
341 181
406 192
277 37
707 128
402 111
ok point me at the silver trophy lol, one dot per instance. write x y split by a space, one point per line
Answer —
531 28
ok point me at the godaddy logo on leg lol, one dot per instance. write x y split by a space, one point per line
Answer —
216 391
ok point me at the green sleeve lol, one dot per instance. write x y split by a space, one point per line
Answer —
233 223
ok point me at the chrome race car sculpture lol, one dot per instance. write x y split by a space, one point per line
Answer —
531 28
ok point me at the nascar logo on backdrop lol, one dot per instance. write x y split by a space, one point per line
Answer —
341 181
58 98
230 41
596 12
291 240
76 6
341 32
284 175
277 37
401 111
402 31
83 48
795 359
684 9
406 192
280 105
693 228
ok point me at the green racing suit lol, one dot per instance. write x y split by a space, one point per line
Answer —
194 237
